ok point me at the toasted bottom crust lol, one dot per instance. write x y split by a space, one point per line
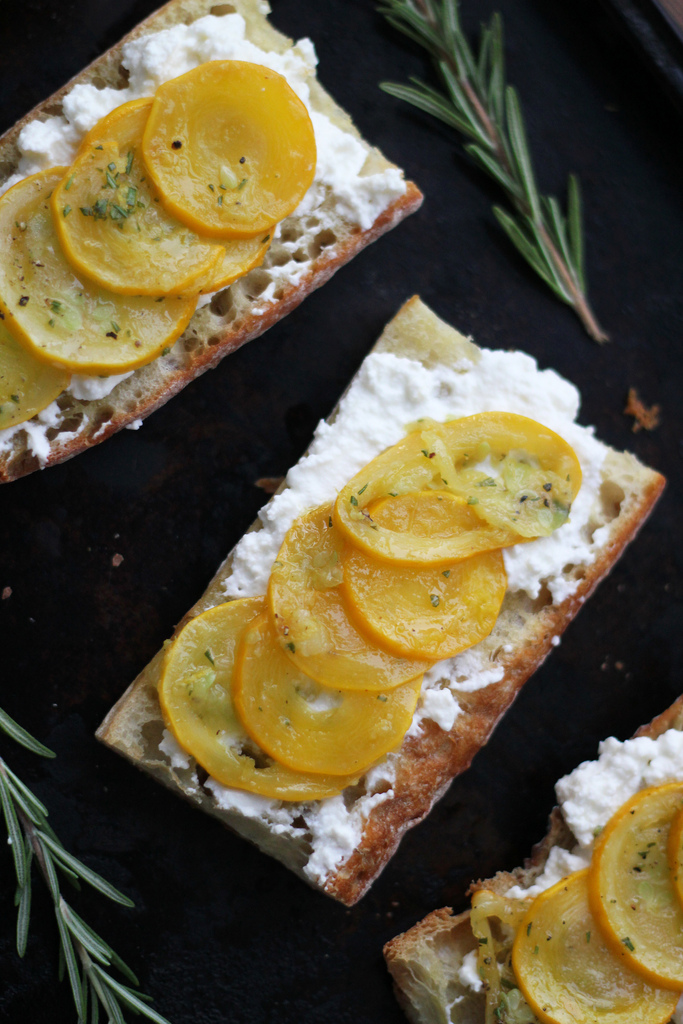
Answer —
425 992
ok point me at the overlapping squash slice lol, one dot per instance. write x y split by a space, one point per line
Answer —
309 727
195 696
230 147
631 889
423 612
675 854
568 974
61 318
27 385
112 225
240 256
311 619
518 478
495 920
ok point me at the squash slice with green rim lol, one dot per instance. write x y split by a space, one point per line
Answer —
568 974
112 224
518 477
231 148
195 696
311 727
60 318
63 320
312 620
427 612
631 887
27 384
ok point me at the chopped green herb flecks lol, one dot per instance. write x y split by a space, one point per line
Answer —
435 599
15 399
129 161
364 487
115 327
383 697
131 196
69 183
209 657
66 211
629 945
291 646
528 927
472 501
354 500
111 182
446 573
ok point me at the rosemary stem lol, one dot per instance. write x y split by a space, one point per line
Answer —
579 303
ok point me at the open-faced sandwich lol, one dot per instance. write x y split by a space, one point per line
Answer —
360 643
591 929
176 199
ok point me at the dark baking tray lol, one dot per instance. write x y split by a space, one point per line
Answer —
655 30
220 932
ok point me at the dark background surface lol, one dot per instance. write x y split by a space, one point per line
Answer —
220 932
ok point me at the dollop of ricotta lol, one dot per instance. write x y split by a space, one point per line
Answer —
593 792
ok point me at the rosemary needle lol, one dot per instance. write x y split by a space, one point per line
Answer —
476 101
83 954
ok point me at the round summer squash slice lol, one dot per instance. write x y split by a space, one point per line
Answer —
195 696
567 972
631 887
423 612
311 618
111 222
518 478
675 852
230 147
27 384
63 320
307 726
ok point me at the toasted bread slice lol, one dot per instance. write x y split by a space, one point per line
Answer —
340 845
310 245
426 960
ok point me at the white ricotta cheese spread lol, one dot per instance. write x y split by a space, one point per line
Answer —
593 792
389 393
152 59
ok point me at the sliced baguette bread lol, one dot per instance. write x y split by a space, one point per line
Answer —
419 365
425 962
310 245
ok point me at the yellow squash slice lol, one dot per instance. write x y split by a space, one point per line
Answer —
195 697
567 972
27 384
60 318
307 726
518 478
631 888
230 147
423 612
675 852
241 256
495 920
312 620
112 225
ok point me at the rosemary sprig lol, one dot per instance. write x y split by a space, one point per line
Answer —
83 954
476 101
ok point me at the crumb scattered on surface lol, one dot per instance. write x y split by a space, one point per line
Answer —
644 417
6 592
116 561
269 484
